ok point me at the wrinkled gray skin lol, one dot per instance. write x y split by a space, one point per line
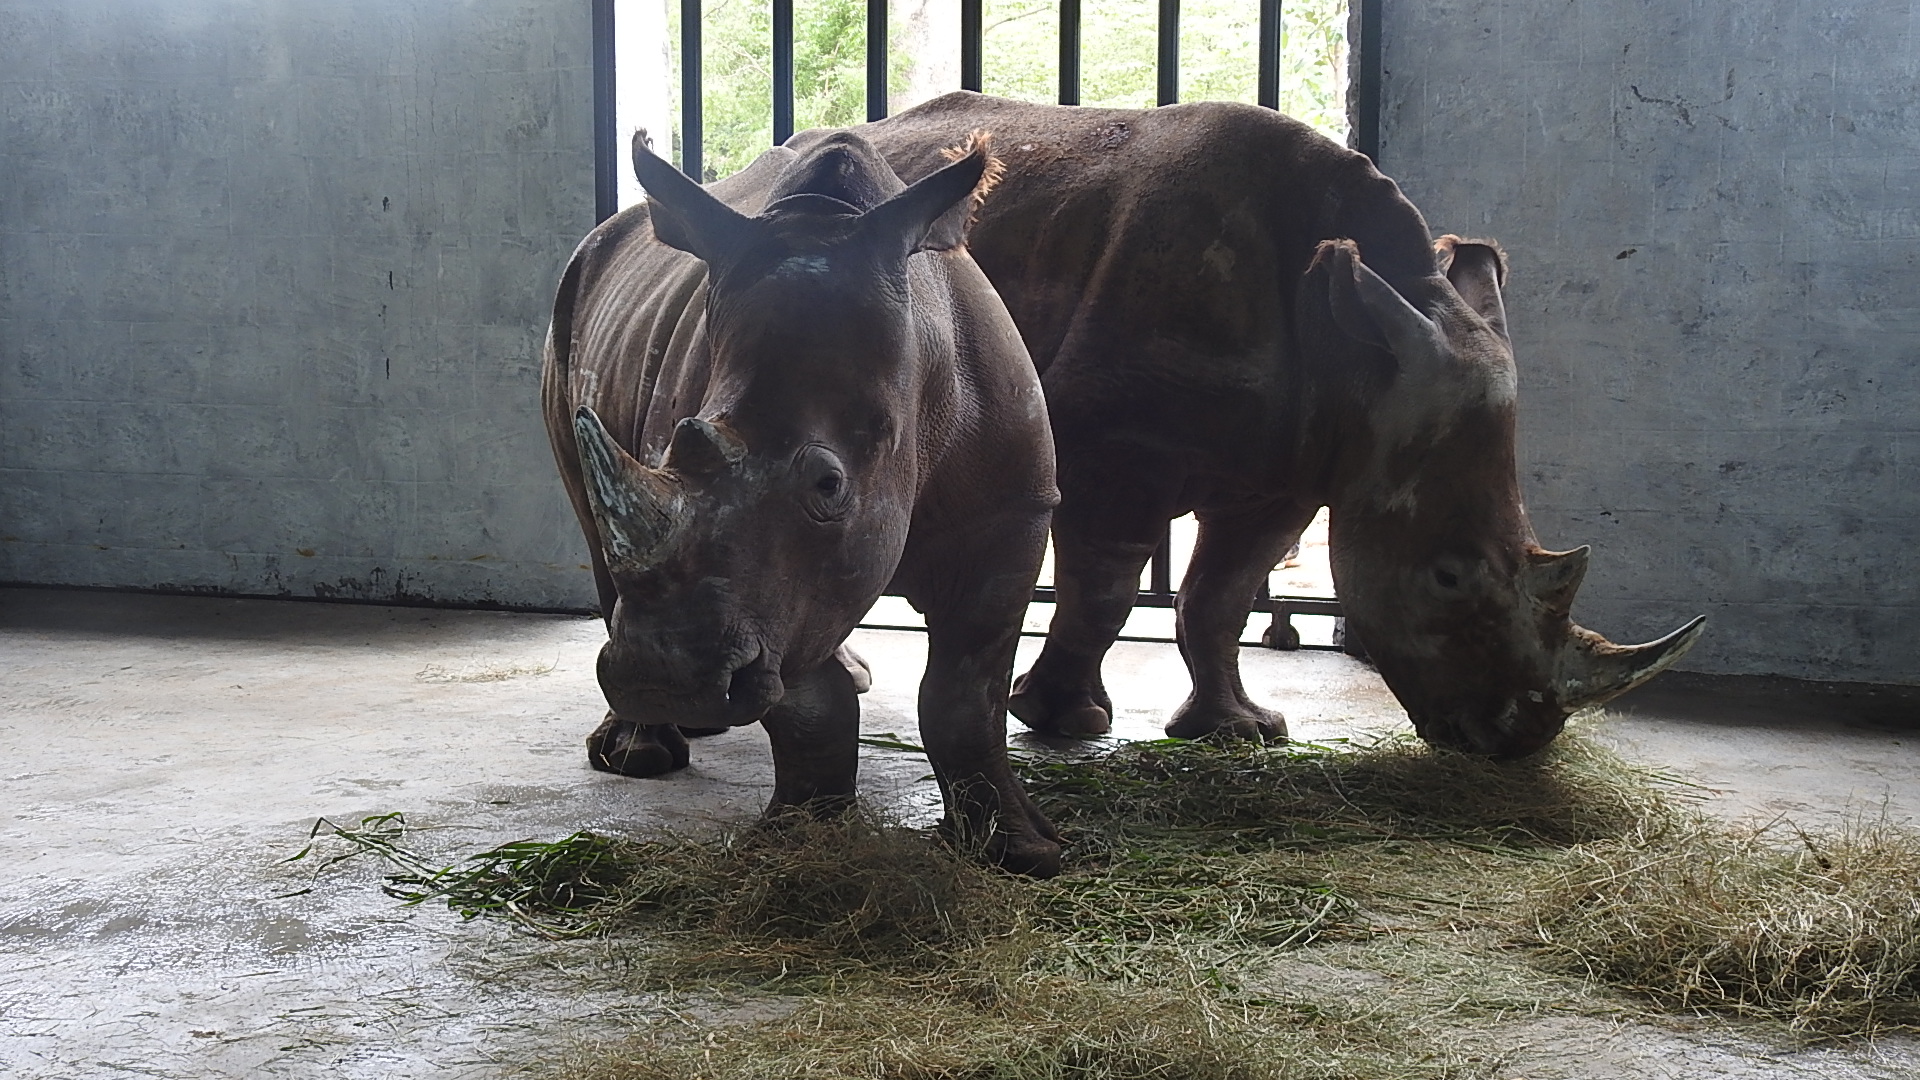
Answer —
1234 316
770 400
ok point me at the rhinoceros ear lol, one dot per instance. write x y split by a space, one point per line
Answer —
1370 310
929 215
684 215
1477 270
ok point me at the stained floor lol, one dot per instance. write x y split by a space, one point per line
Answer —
164 754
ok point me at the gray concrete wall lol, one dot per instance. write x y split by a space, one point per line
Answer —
274 277
1713 214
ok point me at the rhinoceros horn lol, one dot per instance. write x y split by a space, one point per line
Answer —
635 507
1553 577
1592 670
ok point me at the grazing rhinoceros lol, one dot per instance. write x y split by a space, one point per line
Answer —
1235 316
770 402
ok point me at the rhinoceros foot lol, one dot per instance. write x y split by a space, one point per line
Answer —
1238 720
1028 846
632 749
1070 711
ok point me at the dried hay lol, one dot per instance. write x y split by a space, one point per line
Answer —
1197 873
1820 930
992 1026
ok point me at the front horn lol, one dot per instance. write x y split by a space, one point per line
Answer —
635 507
1594 671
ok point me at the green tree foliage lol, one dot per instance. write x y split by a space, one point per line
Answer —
1218 62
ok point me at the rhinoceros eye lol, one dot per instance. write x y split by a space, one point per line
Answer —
1447 578
825 493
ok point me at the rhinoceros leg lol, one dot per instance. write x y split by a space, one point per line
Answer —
856 666
631 749
963 725
974 588
815 732
1096 578
1235 551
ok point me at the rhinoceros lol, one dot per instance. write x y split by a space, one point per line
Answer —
770 401
1234 316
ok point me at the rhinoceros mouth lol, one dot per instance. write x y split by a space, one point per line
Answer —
1504 734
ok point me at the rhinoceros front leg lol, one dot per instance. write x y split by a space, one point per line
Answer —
1234 553
634 749
963 710
815 735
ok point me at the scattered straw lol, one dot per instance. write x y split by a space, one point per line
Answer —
1820 930
991 1025
1197 875
1319 794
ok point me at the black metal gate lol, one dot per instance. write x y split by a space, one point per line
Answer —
1364 108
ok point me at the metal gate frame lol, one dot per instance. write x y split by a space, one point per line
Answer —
1363 106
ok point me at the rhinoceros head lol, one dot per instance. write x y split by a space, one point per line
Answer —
778 507
1468 619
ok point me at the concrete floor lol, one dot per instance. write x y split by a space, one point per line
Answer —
166 752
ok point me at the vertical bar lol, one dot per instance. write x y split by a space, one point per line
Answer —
782 71
1069 52
692 118
971 15
1366 91
606 134
876 60
1162 579
1270 24
1169 64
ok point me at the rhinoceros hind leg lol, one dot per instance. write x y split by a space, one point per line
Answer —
856 666
1100 545
1240 720
633 749
1076 712
1235 550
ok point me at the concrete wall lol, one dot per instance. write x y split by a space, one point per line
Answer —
274 277
1713 214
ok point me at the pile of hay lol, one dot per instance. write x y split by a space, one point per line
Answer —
1194 869
989 1026
1308 795
1820 930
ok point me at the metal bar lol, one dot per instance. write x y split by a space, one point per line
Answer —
1161 581
1169 60
876 60
1270 26
782 71
1069 52
1367 78
692 121
970 45
606 133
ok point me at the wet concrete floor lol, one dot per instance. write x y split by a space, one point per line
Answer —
164 754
